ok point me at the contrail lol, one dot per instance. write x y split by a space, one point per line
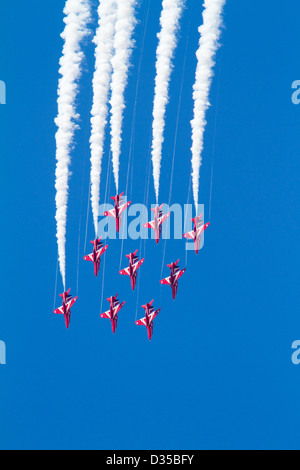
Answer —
169 21
210 32
104 41
123 44
77 16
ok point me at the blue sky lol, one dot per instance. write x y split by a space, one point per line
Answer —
218 373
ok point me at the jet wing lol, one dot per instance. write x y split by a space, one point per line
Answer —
149 225
59 310
137 265
101 251
125 272
71 303
198 243
179 274
110 213
88 257
124 207
151 310
106 315
154 315
162 219
189 235
141 322
201 229
117 308
166 282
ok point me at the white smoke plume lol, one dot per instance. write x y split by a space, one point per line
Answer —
169 21
210 32
123 44
104 40
77 16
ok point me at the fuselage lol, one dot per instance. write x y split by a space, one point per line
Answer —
174 284
196 241
97 261
65 300
147 320
96 258
117 206
117 220
67 318
133 274
197 235
66 311
114 320
113 316
157 226
97 267
150 331
149 324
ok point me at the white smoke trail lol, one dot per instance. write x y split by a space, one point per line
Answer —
169 21
210 32
77 15
104 41
120 63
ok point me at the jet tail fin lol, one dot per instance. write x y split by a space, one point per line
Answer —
98 240
114 198
114 297
68 292
150 304
175 264
134 254
197 219
159 208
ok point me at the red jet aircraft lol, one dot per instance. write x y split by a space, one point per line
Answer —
147 321
65 310
197 231
172 280
112 313
134 265
117 211
156 223
95 257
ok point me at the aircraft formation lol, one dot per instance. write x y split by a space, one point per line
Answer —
135 263
114 43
